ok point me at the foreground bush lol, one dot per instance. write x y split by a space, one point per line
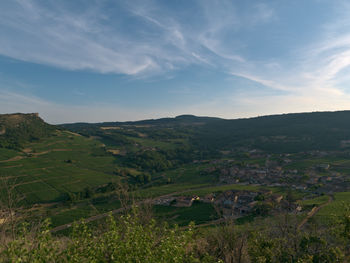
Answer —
133 238
125 240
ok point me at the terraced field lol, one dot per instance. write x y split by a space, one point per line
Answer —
63 163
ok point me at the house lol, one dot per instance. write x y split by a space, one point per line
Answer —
276 198
245 199
278 168
252 204
209 198
185 201
243 209
325 179
298 208
164 201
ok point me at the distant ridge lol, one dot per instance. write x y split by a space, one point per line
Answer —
276 133
177 119
291 132
194 117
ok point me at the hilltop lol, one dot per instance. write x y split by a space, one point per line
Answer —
18 128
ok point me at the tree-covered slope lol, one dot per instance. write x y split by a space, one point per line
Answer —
18 128
276 133
279 133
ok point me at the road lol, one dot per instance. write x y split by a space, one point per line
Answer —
119 210
314 212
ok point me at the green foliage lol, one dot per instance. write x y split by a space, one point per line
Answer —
262 249
199 213
133 238
262 209
286 243
293 248
125 240
149 160
26 248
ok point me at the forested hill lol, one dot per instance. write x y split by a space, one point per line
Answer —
275 133
18 128
280 133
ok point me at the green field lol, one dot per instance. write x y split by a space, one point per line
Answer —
336 208
56 165
198 213
212 189
71 176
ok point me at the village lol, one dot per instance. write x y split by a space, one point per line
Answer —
235 203
316 180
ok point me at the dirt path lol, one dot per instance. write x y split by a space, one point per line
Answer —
16 158
13 166
13 177
313 212
211 223
87 220
73 133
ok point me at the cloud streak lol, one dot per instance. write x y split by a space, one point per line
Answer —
149 38
98 40
75 41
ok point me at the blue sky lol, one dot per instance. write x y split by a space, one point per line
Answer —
126 60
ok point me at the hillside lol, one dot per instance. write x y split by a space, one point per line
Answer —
17 129
73 171
48 164
276 133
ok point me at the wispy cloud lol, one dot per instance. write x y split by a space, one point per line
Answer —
93 38
147 38
316 77
54 35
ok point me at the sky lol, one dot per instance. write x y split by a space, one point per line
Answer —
108 60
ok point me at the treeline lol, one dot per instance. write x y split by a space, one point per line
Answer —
277 133
136 237
87 193
161 160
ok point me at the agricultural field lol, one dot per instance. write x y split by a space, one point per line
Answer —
199 213
75 171
335 209
60 164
